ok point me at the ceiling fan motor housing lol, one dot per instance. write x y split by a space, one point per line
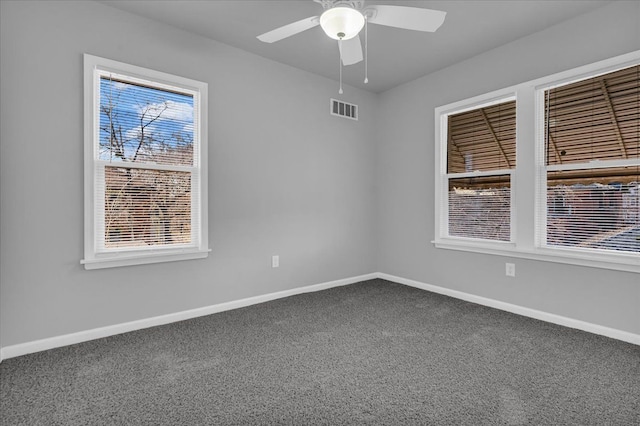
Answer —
329 4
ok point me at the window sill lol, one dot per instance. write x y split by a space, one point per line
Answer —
626 263
143 259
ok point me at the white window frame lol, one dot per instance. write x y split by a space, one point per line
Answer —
528 184
443 177
95 256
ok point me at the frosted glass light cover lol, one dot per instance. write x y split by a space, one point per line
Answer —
342 22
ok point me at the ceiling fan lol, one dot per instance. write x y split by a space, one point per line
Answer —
343 20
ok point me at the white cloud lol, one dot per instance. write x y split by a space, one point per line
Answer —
119 85
133 133
188 128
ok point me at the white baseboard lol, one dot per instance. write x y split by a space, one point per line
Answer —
520 310
97 333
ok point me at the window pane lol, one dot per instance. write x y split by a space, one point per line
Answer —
144 124
595 209
146 207
480 208
594 119
482 139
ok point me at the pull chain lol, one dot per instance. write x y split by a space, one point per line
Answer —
366 49
340 60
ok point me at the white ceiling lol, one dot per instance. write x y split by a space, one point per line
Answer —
395 56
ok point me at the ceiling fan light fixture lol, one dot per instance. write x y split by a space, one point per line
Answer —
342 23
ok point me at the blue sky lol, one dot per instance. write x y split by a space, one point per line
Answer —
133 103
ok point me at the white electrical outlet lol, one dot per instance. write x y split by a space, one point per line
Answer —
275 261
510 269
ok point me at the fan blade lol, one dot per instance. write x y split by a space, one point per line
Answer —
351 50
410 18
289 30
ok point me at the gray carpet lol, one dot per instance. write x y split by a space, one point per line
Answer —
369 353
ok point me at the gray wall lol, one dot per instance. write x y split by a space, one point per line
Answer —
285 177
405 171
334 198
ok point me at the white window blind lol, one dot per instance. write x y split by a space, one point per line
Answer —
153 128
481 155
592 163
144 162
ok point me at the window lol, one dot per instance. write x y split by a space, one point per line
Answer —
145 166
574 196
592 163
481 154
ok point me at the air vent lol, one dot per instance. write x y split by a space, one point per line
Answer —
343 109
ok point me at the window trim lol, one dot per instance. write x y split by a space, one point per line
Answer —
95 258
526 183
442 176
